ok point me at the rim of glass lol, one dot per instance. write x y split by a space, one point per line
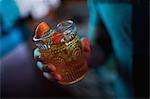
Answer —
55 29
63 23
42 38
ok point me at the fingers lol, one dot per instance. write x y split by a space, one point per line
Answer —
37 53
52 75
49 71
56 76
44 69
38 59
49 68
86 47
52 67
47 75
86 44
52 70
40 65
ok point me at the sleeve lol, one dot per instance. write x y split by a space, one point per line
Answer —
93 20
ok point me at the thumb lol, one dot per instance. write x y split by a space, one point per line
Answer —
86 44
86 47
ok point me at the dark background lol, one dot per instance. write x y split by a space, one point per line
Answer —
141 47
20 77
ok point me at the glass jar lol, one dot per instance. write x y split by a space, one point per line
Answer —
62 48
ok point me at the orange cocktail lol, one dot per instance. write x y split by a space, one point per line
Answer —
62 48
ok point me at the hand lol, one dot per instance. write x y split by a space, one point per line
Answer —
48 70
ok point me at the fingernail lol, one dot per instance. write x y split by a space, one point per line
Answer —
46 75
39 65
37 52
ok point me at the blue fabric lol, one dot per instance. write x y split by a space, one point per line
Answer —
93 21
9 12
117 20
10 41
